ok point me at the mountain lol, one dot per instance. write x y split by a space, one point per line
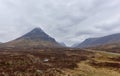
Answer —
74 45
92 42
35 38
62 44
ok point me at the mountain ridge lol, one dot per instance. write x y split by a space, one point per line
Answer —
91 42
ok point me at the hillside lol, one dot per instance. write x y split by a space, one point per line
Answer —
113 47
92 42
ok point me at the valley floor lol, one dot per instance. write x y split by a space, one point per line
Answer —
58 62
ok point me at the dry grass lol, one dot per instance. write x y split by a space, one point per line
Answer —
62 62
87 70
107 69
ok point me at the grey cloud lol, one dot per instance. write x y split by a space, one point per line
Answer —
69 21
86 32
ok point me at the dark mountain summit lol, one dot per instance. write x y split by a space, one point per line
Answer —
35 38
37 34
91 42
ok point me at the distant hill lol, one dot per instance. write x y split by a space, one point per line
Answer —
35 38
74 45
63 44
92 42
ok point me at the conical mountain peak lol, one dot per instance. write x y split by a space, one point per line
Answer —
37 34
37 30
35 38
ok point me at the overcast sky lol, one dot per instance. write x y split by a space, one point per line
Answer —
69 21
